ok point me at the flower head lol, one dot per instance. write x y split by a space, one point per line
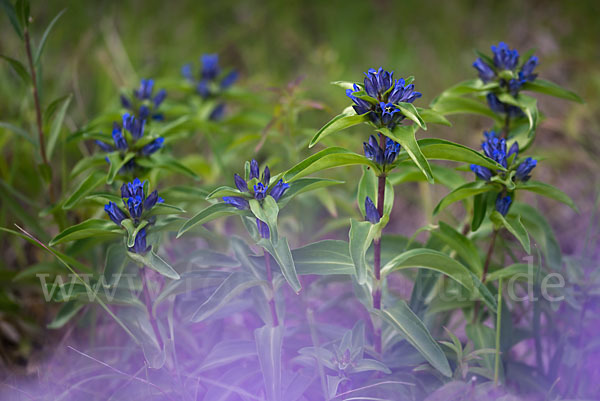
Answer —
136 201
144 103
524 169
140 245
372 215
503 203
381 156
380 96
260 190
504 57
115 213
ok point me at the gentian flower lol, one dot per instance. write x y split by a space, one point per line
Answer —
260 191
372 215
140 246
505 70
144 103
211 82
375 153
524 169
503 204
385 93
115 213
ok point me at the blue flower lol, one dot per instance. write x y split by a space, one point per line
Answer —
504 57
153 146
134 125
385 94
118 138
503 204
482 172
210 66
237 201
115 213
211 82
135 199
140 246
217 113
495 148
486 73
144 104
260 191
374 152
524 169
372 215
526 73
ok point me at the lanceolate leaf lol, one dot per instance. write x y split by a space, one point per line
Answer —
550 88
440 149
324 258
267 212
116 162
65 314
520 270
269 341
414 331
457 105
433 260
513 224
89 228
410 111
283 256
361 236
463 192
338 123
42 44
483 337
92 182
19 69
405 136
20 132
547 191
325 159
57 125
463 246
235 284
306 184
12 16
210 213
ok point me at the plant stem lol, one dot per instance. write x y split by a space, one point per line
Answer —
506 127
272 300
498 328
148 303
377 251
486 266
38 108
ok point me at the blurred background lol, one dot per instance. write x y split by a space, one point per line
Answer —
101 46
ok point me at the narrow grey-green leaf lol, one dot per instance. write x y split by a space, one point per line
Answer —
42 44
92 182
57 125
338 123
269 342
360 239
513 224
552 89
405 136
210 213
411 112
65 314
87 229
548 191
283 256
325 159
324 258
463 192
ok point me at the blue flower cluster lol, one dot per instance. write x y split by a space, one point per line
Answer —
495 148
508 73
259 192
134 128
137 205
380 95
144 104
211 82
381 156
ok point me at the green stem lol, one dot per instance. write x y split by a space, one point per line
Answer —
486 266
506 128
498 328
272 300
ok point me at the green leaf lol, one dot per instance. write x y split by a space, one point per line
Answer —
156 263
267 213
87 229
460 105
338 123
269 342
324 258
464 247
170 163
42 44
513 224
283 256
479 210
325 159
548 191
433 116
20 132
224 191
92 182
508 272
235 284
346 84
527 104
165 208
19 69
65 314
469 86
440 149
12 17
57 125
116 163
410 111
488 298
414 331
405 136
361 235
210 213
463 192
367 186
115 262
302 185
552 89
424 258
132 230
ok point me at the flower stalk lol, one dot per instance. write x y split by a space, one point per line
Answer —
270 280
